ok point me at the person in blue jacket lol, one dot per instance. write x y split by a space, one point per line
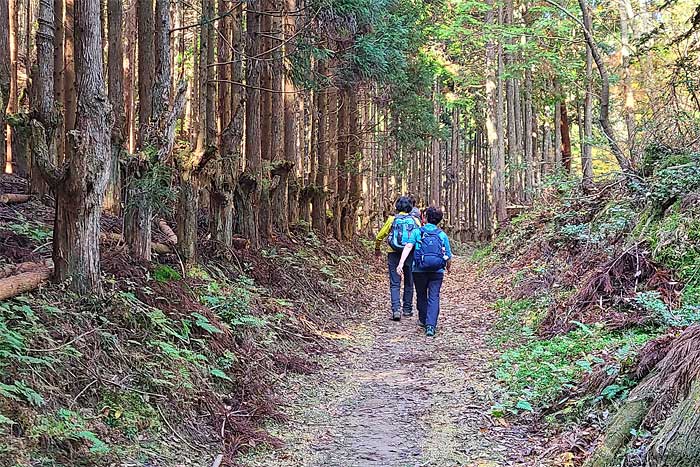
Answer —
432 258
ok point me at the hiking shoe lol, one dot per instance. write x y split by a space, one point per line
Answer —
407 314
396 315
430 331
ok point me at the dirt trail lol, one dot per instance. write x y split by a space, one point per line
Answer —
396 398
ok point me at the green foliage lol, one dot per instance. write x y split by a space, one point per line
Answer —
165 273
153 187
684 316
482 253
675 242
672 183
33 231
66 425
518 319
537 371
129 412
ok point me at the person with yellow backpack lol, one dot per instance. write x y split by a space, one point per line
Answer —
397 231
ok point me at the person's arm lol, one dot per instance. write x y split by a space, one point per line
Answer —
448 252
382 235
406 251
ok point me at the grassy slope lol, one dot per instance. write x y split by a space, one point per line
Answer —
163 368
591 280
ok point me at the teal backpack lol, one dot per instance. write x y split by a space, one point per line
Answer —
401 230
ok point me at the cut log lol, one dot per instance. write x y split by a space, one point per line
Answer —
160 248
14 198
19 268
168 232
21 283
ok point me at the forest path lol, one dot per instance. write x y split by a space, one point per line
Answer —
395 398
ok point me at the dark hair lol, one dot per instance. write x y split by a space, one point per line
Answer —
412 199
433 215
403 204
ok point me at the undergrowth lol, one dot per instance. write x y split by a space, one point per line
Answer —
164 361
592 278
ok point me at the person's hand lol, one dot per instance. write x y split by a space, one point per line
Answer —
399 270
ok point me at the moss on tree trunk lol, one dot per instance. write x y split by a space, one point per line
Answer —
619 434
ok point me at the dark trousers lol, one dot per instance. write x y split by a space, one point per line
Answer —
395 283
428 296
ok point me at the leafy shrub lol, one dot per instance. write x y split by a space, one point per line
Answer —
684 316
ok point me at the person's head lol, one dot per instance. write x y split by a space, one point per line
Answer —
403 204
432 215
412 199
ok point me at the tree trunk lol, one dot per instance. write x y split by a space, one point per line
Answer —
187 218
627 87
349 223
138 215
4 78
318 202
280 166
80 190
58 75
435 176
130 78
677 444
626 165
342 183
69 91
115 72
493 101
565 137
146 67
587 152
43 103
248 190
529 143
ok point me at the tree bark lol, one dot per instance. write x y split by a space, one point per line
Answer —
115 76
349 223
280 166
80 188
58 75
146 67
43 104
435 176
318 201
69 91
565 137
587 150
4 78
493 101
249 183
23 282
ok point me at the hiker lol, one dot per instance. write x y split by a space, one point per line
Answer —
397 230
415 212
431 259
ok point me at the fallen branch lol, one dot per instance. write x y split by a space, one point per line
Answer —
14 198
24 282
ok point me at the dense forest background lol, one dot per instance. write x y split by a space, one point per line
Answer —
199 178
269 114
